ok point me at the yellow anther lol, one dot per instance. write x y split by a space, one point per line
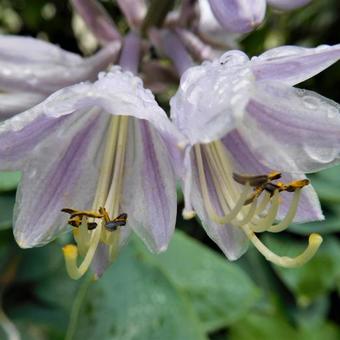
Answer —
299 184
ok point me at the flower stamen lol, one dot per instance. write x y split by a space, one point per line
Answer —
237 197
89 234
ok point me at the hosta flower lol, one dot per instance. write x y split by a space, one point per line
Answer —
242 16
31 69
97 147
246 125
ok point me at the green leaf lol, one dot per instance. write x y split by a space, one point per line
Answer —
219 290
9 180
315 278
6 210
328 191
268 327
39 262
135 300
329 225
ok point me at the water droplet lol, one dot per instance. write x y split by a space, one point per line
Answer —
322 47
32 173
225 60
6 72
33 81
101 75
241 84
332 112
27 71
310 102
321 154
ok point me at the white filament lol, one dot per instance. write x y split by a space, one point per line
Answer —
251 218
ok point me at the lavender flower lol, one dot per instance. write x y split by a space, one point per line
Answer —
242 16
242 117
31 69
93 146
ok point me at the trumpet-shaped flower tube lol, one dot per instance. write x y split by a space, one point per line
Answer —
245 122
102 146
242 16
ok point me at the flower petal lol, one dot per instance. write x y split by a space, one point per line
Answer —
32 65
61 172
246 162
211 31
232 240
292 65
288 4
13 103
211 97
118 93
149 187
291 129
97 20
22 133
239 16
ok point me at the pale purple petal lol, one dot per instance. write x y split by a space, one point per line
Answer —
211 32
60 172
291 129
118 93
12 103
174 48
97 20
134 11
22 133
211 97
130 54
28 64
239 16
26 50
197 48
231 240
246 162
288 4
149 196
292 65
100 260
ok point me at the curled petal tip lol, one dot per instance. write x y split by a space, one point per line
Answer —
22 243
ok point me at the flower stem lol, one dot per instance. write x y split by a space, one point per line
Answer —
129 58
156 14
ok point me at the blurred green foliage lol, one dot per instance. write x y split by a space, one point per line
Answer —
191 291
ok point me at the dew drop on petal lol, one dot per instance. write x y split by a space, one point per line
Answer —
332 113
321 154
310 102
6 72
32 173
322 47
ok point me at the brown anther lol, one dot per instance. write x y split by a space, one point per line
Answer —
256 181
274 175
